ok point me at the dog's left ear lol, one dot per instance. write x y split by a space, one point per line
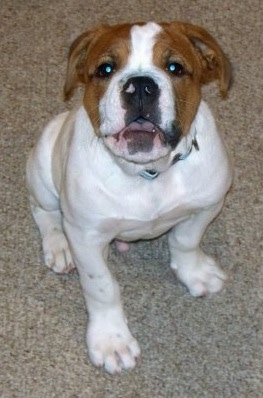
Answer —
77 60
215 65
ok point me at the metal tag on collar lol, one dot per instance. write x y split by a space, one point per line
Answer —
149 174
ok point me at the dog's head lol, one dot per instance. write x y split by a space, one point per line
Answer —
143 83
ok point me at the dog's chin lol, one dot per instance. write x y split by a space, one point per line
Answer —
139 143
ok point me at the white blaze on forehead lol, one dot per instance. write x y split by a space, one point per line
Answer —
139 63
142 42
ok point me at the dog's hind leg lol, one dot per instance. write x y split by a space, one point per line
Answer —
56 250
44 200
195 269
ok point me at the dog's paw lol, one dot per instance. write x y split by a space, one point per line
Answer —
202 278
57 255
112 346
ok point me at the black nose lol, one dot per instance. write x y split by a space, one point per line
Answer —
140 93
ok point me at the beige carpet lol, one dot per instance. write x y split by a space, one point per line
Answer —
192 348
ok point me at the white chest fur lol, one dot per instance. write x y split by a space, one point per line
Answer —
129 207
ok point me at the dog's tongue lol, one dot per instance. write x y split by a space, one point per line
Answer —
141 126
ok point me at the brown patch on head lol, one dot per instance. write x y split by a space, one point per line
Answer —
187 53
214 63
201 59
173 49
89 53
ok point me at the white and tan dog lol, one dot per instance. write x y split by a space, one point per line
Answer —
139 157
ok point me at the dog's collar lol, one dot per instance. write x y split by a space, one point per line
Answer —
149 174
152 174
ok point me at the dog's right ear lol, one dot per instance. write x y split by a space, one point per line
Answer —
75 75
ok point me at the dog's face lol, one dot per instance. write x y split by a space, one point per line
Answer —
143 83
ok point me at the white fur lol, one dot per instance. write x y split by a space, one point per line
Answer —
139 63
80 194
142 42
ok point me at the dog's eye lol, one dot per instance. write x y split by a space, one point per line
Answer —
176 69
105 70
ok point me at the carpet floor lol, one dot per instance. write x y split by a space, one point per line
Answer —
210 347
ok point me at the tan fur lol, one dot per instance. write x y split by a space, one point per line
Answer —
190 45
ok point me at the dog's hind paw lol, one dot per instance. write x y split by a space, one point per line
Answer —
202 278
57 254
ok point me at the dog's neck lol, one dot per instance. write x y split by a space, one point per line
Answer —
151 174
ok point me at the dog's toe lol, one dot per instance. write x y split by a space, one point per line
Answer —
112 347
204 278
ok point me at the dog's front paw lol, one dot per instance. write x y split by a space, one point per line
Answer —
57 254
111 345
202 278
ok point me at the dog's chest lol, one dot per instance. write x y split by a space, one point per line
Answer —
145 210
152 226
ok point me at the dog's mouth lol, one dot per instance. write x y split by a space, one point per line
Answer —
141 138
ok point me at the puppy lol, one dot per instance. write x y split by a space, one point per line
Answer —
139 157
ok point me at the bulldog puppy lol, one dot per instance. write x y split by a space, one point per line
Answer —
139 157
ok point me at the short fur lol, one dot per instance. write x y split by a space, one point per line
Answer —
88 173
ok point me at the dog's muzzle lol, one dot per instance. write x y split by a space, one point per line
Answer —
140 97
142 139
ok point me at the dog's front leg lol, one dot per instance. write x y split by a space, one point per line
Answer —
110 343
195 269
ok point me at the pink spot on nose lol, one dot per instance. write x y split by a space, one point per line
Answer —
130 89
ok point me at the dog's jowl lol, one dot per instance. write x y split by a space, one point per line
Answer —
140 156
